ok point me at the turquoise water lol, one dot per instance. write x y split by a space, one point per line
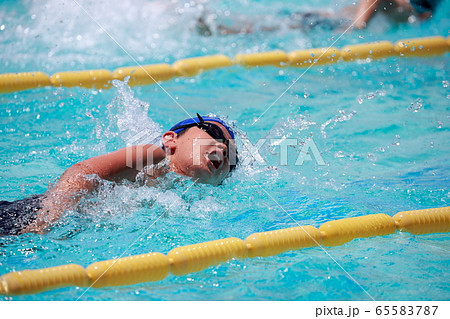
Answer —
381 129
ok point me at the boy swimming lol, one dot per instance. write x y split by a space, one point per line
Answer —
201 148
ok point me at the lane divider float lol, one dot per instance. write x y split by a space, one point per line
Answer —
99 79
193 258
149 74
145 75
192 66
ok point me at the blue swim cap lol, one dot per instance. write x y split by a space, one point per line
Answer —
197 120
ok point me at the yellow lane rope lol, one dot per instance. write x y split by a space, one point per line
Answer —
183 260
139 75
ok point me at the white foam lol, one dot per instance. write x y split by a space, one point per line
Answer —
128 121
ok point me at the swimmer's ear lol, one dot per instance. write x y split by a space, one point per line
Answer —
169 141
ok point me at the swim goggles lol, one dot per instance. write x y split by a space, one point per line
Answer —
213 130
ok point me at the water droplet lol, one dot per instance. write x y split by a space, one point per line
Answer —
445 84
370 96
339 154
381 92
416 105
412 19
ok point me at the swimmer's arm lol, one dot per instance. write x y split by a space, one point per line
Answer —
364 12
79 179
72 185
125 163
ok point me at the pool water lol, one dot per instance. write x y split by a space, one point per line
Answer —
381 130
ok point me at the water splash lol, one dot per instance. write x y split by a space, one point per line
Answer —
371 95
133 122
293 125
333 121
128 120
168 198
416 105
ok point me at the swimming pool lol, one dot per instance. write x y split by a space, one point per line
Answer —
382 129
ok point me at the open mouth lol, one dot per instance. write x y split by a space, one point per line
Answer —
215 159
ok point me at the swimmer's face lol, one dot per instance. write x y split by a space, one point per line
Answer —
196 154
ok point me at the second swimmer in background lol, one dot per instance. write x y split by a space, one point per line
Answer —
358 16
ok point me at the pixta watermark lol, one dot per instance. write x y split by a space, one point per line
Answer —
139 155
302 150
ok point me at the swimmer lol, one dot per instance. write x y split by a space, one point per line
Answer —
400 11
201 148
303 21
397 11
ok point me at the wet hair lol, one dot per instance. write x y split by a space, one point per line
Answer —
180 133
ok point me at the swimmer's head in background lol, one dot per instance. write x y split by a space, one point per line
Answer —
203 123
